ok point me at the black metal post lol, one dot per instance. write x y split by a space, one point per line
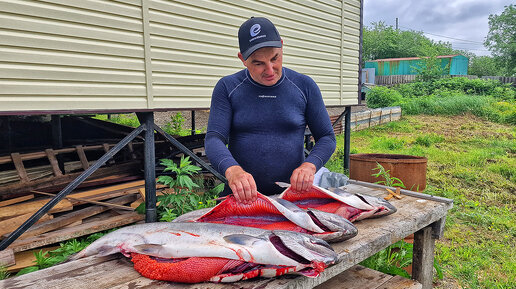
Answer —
149 167
57 138
347 136
185 150
193 122
70 187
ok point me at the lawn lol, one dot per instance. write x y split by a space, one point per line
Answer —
472 161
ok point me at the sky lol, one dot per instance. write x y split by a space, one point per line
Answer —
463 23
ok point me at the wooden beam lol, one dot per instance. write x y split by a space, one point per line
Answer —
423 257
7 258
106 149
72 217
26 259
53 162
18 164
16 200
76 201
82 157
11 224
32 207
74 232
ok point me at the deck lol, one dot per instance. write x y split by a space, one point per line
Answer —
423 217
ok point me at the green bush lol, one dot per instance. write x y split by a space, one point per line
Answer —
381 96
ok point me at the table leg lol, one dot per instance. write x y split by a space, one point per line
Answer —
423 257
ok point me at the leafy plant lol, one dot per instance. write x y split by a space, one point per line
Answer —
392 259
429 69
188 191
123 119
50 258
388 180
175 126
381 96
3 272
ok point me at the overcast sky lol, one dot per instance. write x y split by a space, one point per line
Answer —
464 20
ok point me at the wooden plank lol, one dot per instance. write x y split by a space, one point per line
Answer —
438 228
58 183
76 201
356 277
18 164
82 157
373 235
7 258
105 274
32 207
53 162
69 233
72 217
131 150
423 257
11 224
111 161
398 282
16 200
26 259
124 186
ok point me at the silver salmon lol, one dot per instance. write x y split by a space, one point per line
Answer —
219 252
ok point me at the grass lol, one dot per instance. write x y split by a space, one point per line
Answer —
472 161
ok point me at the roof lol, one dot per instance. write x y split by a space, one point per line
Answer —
412 58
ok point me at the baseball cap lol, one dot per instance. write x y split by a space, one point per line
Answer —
255 33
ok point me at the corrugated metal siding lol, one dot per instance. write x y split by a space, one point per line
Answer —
89 55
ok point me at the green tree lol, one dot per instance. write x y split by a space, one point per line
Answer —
383 41
430 68
501 39
482 66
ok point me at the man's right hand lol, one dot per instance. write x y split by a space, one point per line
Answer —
242 184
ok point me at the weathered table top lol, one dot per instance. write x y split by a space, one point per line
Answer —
374 234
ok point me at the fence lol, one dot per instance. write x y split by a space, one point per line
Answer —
365 119
502 79
399 79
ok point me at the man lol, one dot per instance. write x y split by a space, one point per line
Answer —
261 113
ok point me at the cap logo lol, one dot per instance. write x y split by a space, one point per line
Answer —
255 30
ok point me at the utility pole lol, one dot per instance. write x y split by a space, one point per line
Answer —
396 23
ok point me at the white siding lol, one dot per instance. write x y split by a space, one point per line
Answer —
78 55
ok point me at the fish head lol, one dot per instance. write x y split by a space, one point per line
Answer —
341 227
382 207
304 248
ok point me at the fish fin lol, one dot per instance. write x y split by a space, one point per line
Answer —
148 249
242 239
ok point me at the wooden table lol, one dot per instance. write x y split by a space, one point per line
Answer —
423 217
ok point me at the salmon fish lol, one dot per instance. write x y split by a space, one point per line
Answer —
353 207
275 214
199 252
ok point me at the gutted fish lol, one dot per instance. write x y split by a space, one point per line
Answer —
275 214
198 252
353 207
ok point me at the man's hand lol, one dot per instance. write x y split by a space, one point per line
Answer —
242 184
302 178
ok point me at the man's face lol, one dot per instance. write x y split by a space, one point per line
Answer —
265 65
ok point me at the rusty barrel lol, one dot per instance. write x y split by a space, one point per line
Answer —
411 170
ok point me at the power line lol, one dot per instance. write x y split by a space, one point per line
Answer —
445 36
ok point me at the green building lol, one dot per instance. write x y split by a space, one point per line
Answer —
452 65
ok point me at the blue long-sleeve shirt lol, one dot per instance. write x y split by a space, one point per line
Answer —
263 127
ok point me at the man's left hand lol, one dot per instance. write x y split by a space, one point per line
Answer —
302 178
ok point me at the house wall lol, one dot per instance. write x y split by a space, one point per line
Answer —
76 56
